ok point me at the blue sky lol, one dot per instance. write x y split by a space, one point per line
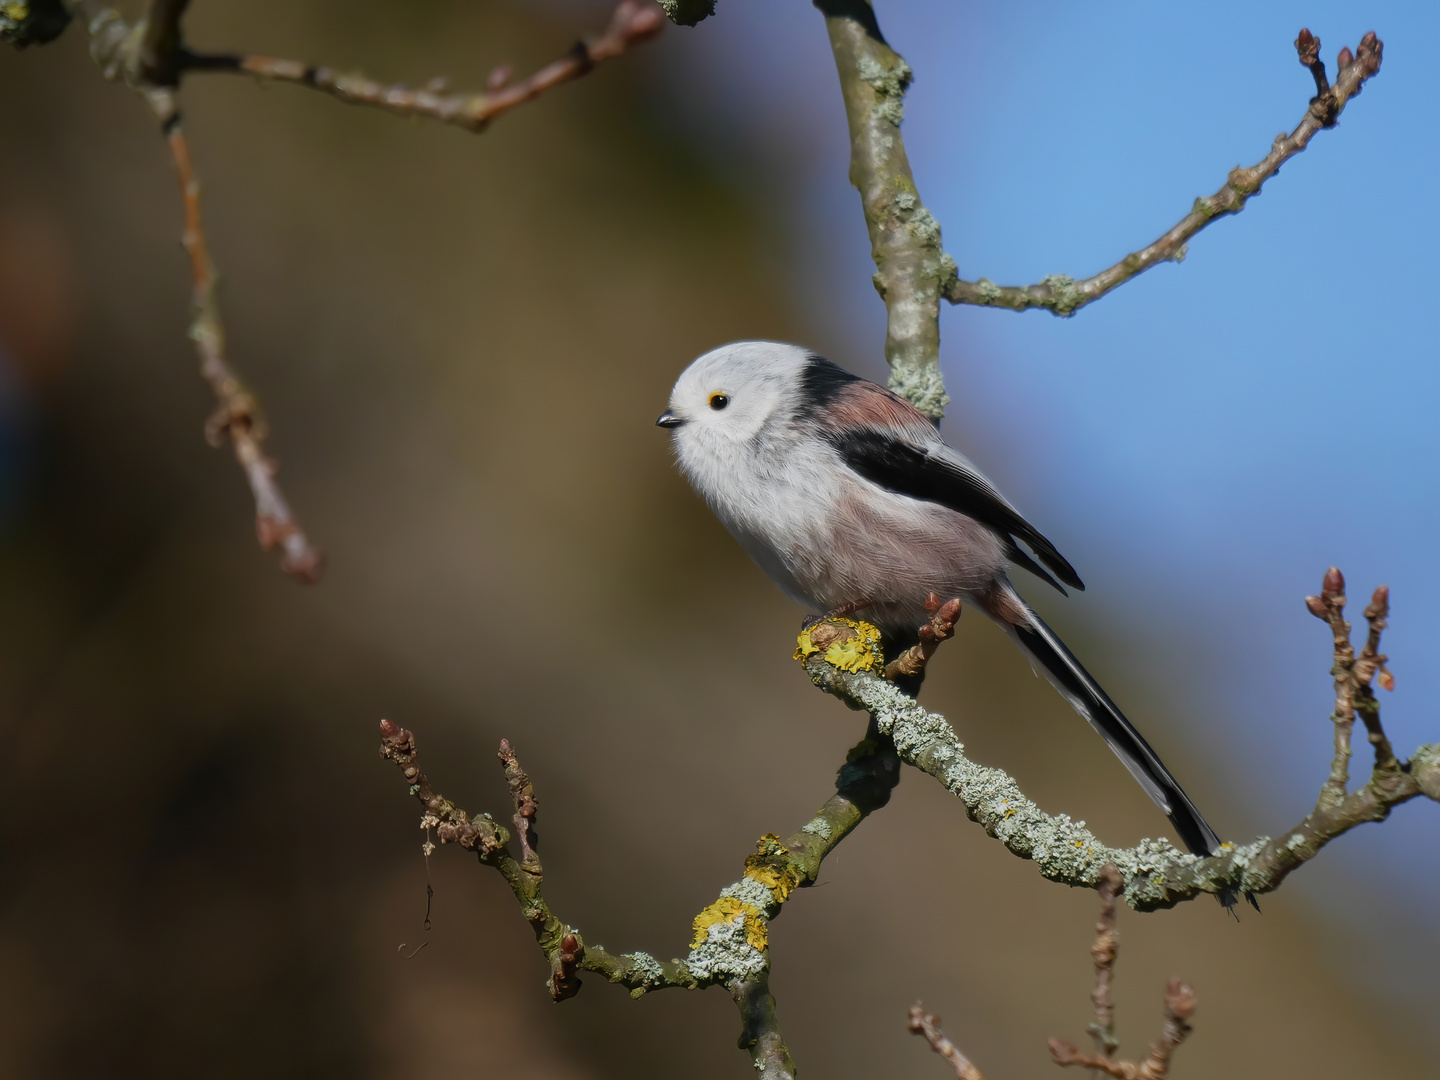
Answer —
1210 437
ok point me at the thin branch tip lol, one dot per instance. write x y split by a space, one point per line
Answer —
1063 295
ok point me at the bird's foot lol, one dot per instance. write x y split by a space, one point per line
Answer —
940 627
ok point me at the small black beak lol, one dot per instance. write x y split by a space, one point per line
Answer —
668 420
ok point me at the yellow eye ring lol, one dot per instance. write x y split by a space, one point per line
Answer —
718 401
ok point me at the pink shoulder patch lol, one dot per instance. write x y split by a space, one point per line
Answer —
865 405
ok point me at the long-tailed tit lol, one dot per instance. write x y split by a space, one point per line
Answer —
846 496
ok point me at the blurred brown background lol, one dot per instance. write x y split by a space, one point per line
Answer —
461 343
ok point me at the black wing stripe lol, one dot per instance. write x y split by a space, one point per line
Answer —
906 470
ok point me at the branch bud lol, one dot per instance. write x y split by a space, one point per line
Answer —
1179 1000
1333 587
1379 603
1317 607
1307 47
1345 58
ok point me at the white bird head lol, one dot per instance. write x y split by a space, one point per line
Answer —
730 394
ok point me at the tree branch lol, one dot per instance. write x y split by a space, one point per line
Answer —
910 268
1179 1007
928 1025
139 56
1102 954
633 22
237 415
1157 875
730 946
1063 295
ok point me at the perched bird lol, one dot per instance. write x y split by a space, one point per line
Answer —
848 498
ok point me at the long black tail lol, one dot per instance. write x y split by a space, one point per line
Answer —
1077 686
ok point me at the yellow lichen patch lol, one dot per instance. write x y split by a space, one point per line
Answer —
768 867
15 9
780 880
728 909
855 650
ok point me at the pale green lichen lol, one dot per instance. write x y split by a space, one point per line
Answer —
752 893
989 291
923 387
923 224
646 970
889 82
818 827
1064 296
949 273
1157 873
724 949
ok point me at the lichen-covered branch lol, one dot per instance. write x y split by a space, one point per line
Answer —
1063 295
910 268
1157 875
634 21
730 942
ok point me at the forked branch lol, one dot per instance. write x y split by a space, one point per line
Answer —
730 942
1063 295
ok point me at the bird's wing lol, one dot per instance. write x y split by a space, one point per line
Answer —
906 460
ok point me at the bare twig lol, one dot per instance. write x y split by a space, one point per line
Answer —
143 57
633 22
928 1025
237 415
1179 1007
1103 953
1156 873
522 793
1063 295
941 627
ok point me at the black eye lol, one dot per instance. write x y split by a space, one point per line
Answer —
718 401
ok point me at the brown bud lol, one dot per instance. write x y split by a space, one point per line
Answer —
1333 585
1307 47
1317 607
1371 49
950 611
1345 58
1386 680
932 604
1379 603
1179 1000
